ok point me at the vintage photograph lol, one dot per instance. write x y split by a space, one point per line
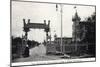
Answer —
42 31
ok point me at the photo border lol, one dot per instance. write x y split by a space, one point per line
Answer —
11 63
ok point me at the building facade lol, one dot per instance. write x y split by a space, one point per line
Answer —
66 42
84 33
55 46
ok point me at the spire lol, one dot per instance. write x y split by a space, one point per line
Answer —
76 17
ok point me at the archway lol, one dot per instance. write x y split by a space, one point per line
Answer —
27 26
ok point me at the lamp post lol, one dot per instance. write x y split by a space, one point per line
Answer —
61 13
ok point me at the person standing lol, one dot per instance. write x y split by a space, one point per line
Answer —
26 52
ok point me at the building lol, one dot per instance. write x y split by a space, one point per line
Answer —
84 33
87 32
83 30
55 46
66 42
76 20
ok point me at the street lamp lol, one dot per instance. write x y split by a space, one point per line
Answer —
61 12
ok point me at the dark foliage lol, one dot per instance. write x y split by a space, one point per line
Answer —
17 41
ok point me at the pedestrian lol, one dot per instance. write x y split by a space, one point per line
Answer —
26 51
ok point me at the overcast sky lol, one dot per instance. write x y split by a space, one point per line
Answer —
38 12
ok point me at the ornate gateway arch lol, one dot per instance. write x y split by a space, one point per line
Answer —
27 26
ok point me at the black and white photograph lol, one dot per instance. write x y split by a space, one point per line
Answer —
50 33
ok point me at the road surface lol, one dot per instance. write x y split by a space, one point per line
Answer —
37 53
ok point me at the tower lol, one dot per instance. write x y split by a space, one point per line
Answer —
76 19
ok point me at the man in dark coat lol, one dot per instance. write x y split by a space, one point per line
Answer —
26 52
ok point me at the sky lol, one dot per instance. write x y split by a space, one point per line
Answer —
38 12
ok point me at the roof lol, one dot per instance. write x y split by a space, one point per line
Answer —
64 38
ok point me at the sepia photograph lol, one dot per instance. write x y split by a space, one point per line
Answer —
46 32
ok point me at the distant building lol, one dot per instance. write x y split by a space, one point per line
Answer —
84 33
66 41
87 32
76 30
55 45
